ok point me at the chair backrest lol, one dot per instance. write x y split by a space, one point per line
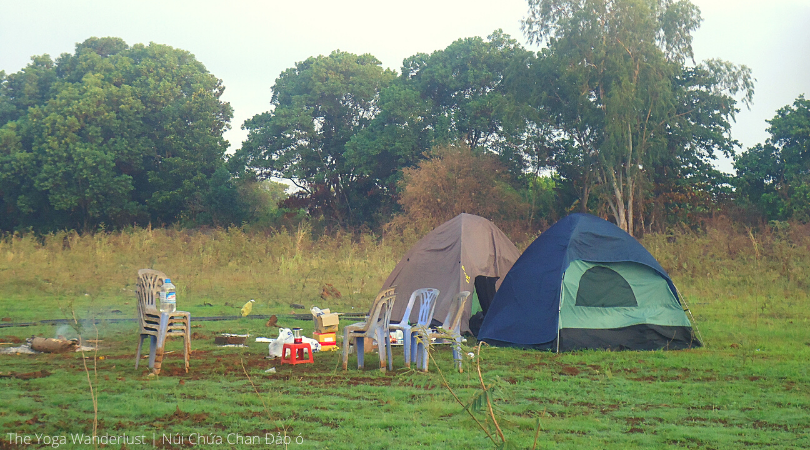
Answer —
406 316
388 305
375 305
427 303
148 289
453 320
382 306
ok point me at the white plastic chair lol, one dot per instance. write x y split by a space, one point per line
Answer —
427 304
451 328
375 327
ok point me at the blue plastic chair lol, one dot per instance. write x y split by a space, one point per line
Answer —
427 304
450 329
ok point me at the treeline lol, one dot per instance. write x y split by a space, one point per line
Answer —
612 116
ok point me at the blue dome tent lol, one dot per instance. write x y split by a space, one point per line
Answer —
586 283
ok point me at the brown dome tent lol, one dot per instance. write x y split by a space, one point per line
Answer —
466 253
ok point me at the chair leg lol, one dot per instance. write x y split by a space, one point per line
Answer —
161 342
346 343
359 348
382 349
406 343
138 353
418 348
390 356
425 353
159 354
414 346
457 353
187 344
152 350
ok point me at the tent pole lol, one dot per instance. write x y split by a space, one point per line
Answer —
686 308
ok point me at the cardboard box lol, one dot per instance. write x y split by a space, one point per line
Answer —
369 345
326 322
325 338
329 347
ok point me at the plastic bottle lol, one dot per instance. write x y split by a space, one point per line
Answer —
168 297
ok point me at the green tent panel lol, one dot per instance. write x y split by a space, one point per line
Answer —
655 303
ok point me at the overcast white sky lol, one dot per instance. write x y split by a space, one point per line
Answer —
249 43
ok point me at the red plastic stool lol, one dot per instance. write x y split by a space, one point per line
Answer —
296 355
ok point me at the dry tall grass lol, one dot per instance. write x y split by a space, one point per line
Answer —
214 266
725 264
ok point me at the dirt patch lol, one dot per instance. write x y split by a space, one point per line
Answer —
331 423
635 430
569 370
199 418
33 421
540 365
368 381
763 425
648 379
690 443
27 375
12 339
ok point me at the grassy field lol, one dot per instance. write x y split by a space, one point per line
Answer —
748 387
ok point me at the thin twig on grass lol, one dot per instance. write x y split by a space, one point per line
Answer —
484 387
537 431
756 284
266 409
242 363
87 372
466 408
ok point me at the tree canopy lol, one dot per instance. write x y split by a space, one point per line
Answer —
109 134
775 176
615 85
317 107
612 115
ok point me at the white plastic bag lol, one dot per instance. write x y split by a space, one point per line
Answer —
285 336
315 345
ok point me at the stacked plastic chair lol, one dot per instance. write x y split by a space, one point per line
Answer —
157 325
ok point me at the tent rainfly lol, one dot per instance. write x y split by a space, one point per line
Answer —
466 253
586 283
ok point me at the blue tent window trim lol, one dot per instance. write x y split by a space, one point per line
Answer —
603 287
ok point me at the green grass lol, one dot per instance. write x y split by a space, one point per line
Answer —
749 387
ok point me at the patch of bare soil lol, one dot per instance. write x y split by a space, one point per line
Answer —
27 375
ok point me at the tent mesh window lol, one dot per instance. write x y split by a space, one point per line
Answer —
604 288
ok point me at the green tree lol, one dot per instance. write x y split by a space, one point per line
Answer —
467 92
468 85
775 176
608 82
317 107
109 134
